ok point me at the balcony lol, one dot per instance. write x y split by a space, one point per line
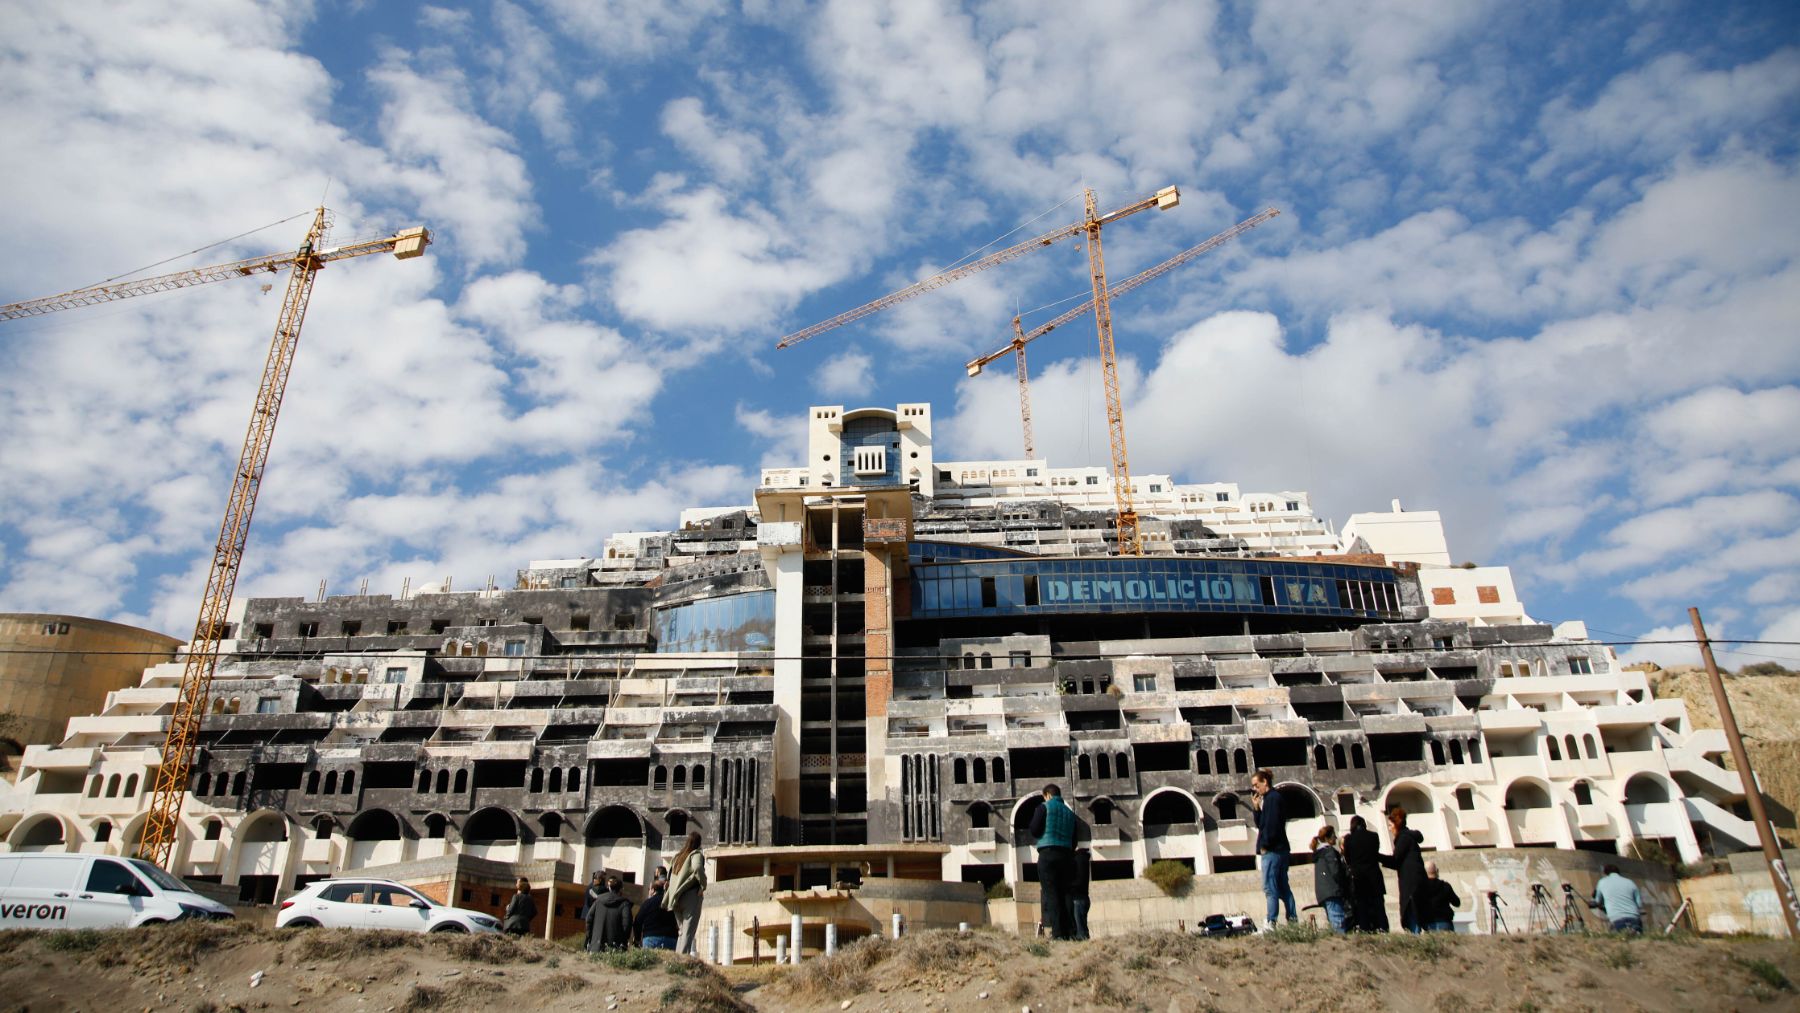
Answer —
981 839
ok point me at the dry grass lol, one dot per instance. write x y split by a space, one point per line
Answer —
338 944
489 948
699 989
845 972
566 983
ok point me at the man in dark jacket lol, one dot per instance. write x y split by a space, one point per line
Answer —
595 888
1408 865
609 919
1362 853
1053 825
1436 903
656 926
1078 892
1272 845
520 911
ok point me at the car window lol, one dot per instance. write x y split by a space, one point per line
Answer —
159 877
111 877
392 896
344 893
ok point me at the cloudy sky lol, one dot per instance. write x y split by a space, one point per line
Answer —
1535 268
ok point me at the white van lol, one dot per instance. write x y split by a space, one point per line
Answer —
40 890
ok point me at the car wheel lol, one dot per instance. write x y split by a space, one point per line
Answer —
302 923
449 927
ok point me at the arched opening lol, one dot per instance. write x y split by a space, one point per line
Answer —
680 777
677 819
698 781
374 825
1465 798
1221 761
959 771
968 659
1437 753
349 782
212 828
1166 807
1356 755
103 831
221 782
112 786
537 780
47 833
1337 757
1084 767
613 823
550 825
435 826
1410 797
1555 751
574 778
999 770
1105 766
978 767
323 826
1644 789
1474 750
131 781
555 780
1569 748
94 785
1103 812
443 782
1240 762
1298 802
987 660
1202 762
1588 740
1527 795
1583 792
312 783
1319 758
492 825
424 781
265 827
331 782
1456 752
981 815
1227 805
1122 765
462 782
1022 815
659 779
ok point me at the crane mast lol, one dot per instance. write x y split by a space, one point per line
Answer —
1129 538
1024 385
168 786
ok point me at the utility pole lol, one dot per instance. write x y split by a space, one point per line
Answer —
1784 886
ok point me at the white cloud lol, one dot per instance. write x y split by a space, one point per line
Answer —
730 154
1682 651
1761 425
845 375
635 28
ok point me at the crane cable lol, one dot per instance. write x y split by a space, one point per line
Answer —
202 249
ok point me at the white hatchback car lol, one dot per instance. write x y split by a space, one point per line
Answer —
376 904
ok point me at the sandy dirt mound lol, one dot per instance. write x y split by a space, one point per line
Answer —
1768 712
211 967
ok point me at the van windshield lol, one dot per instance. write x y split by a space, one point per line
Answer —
159 877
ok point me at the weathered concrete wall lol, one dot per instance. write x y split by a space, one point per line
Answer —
54 667
1742 899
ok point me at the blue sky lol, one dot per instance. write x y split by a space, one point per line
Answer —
1536 269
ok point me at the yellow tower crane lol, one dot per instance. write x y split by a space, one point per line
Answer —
1021 338
169 784
1129 538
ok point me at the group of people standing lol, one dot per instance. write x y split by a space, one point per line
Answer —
1064 871
667 919
1347 875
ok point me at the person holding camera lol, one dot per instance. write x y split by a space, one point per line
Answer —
1618 897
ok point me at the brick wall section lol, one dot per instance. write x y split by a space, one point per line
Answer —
1443 596
1488 594
878 680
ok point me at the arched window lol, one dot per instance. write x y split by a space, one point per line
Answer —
102 832
1588 740
696 782
1122 765
95 783
1319 757
349 782
959 771
1437 753
237 784
1356 755
680 777
574 778
556 779
1105 766
131 786
1555 753
1525 795
659 778
443 781
1103 812
1227 804
1337 756
462 781
678 822
331 782
434 826
981 815
112 786
1084 767
221 783
1240 762
1465 799
551 825
1475 750
1584 795
212 829
1456 753
999 770
978 767
312 783
424 781
1202 762
491 826
968 659
987 660
1169 807
1221 761
537 780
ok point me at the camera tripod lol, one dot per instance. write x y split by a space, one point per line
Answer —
1545 917
1496 920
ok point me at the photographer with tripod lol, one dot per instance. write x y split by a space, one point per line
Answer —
1618 898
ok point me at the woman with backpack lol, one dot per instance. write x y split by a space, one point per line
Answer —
687 885
1331 877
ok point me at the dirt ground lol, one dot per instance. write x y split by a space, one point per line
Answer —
203 967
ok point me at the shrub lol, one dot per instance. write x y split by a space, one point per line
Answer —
1297 932
73 941
1174 879
999 891
1767 971
629 960
1764 668
1037 949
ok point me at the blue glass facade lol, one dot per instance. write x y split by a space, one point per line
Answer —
738 622
1011 586
869 432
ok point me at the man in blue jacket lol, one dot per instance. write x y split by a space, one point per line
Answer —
1272 845
1054 827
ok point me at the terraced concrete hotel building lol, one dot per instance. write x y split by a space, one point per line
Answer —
869 672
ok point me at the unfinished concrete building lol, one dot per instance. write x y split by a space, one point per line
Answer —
872 669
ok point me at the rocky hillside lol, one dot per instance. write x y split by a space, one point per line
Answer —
1766 700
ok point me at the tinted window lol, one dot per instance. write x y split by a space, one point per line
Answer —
343 893
111 877
159 877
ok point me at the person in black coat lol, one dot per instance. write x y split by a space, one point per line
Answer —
1368 894
655 924
520 911
1436 903
595 888
1408 865
609 919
